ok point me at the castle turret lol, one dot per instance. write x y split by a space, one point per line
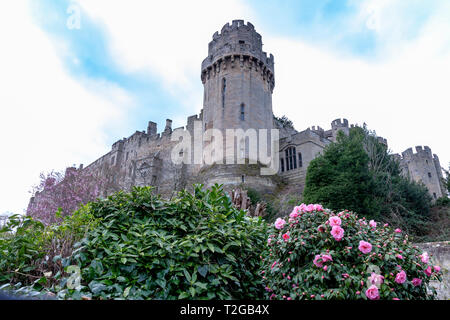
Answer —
339 125
423 167
238 79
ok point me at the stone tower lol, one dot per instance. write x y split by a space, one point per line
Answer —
238 79
423 166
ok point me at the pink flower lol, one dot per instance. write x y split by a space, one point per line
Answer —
400 277
269 240
273 265
337 232
424 257
286 237
318 207
376 279
395 299
318 261
399 256
335 221
309 208
398 230
372 293
416 282
321 228
296 212
279 223
327 257
373 224
437 268
365 247
325 268
428 271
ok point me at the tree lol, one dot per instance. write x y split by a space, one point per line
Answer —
340 177
358 172
65 192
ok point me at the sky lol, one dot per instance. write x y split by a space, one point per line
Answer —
76 76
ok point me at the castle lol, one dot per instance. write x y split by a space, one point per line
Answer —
238 79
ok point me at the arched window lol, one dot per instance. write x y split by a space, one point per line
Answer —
291 158
242 112
224 89
300 160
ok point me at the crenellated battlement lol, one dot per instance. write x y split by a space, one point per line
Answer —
339 123
237 45
424 152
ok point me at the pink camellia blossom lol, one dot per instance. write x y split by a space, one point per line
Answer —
373 224
400 277
337 232
309 208
325 268
318 207
424 257
437 268
364 247
327 257
376 279
295 212
279 223
399 256
416 282
372 293
273 265
345 275
286 237
395 299
318 261
335 221
269 241
398 230
302 207
321 228
386 224
428 271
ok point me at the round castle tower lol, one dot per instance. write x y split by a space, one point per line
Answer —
238 80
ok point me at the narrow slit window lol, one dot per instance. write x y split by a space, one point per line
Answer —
224 90
300 160
242 112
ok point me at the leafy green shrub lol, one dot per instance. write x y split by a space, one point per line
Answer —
318 254
443 202
33 254
193 246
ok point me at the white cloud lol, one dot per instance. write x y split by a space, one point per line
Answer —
47 119
169 39
403 94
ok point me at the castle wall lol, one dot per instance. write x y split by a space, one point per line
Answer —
424 167
309 144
